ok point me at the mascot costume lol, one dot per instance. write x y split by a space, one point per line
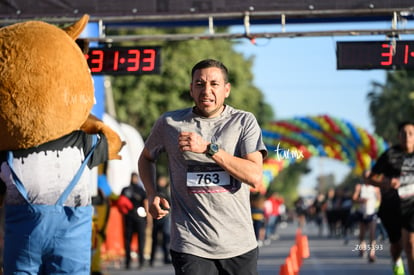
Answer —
49 143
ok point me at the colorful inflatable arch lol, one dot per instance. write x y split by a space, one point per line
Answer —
299 138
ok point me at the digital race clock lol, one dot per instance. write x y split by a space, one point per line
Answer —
375 55
124 60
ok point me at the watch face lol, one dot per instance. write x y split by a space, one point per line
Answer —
214 147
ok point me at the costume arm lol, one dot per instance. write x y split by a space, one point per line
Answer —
93 125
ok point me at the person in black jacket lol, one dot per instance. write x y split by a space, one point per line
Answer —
135 220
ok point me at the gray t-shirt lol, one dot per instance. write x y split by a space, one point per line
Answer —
210 210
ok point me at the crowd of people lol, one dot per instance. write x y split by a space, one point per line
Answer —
338 213
343 212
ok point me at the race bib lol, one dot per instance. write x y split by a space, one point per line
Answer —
208 178
406 188
406 191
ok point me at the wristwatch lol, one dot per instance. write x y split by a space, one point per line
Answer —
212 148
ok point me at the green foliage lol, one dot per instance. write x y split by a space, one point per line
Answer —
140 100
392 103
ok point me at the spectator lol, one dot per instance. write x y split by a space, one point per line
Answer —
135 219
257 201
273 216
318 211
300 211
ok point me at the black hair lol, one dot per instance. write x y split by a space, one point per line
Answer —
208 63
401 125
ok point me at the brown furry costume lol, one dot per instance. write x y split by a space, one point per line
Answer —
46 96
46 89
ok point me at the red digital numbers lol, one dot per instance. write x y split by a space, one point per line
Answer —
149 60
137 60
388 54
95 63
134 60
398 55
375 55
408 54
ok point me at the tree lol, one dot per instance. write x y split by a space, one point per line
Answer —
392 103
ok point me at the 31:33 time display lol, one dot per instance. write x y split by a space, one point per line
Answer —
124 60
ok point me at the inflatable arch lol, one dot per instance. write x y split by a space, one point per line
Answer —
303 137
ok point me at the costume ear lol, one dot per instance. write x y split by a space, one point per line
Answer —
76 29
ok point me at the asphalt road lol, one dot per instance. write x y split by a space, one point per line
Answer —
327 256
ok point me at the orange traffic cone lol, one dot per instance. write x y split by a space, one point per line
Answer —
299 255
294 257
298 234
287 268
284 269
298 243
304 247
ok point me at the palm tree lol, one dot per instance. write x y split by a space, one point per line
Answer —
392 103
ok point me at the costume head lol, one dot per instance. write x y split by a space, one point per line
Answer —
46 89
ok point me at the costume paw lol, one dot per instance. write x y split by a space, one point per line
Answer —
93 125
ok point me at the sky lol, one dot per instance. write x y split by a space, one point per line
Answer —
298 76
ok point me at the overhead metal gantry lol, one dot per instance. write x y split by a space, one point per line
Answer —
111 14
396 20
